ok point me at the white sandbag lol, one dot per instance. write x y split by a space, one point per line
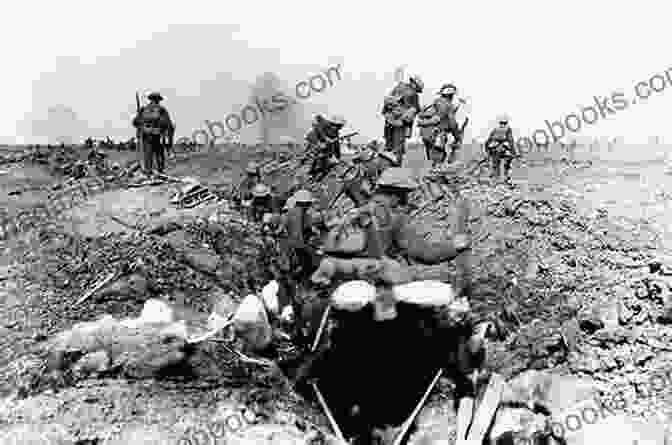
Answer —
251 324
425 293
269 295
353 295
156 311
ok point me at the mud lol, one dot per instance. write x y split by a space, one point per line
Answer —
588 299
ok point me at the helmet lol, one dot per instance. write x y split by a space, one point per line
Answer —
503 118
448 88
303 197
155 96
389 156
397 177
338 120
252 168
261 191
417 81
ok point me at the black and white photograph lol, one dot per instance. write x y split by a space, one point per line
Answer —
347 223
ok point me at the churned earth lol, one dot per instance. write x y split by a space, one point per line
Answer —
584 235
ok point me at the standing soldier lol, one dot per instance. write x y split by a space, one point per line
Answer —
300 257
324 143
399 116
154 124
447 110
501 147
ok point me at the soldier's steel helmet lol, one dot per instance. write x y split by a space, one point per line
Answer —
155 96
417 81
303 197
261 191
503 118
398 177
448 88
389 156
252 168
337 120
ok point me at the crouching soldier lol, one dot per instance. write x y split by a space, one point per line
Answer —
323 144
501 148
360 189
242 196
261 203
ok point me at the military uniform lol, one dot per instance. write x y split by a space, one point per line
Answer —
323 143
360 189
399 114
242 195
501 149
154 124
299 257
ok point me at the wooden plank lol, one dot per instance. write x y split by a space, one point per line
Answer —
465 412
407 424
486 409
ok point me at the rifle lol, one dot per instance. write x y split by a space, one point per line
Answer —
348 136
138 133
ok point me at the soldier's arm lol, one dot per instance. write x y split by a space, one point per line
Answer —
415 102
392 119
509 135
418 247
137 121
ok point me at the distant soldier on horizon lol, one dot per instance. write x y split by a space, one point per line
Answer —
154 124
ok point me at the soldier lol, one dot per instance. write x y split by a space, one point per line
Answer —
262 202
360 189
399 110
501 147
154 124
446 110
300 257
323 143
242 196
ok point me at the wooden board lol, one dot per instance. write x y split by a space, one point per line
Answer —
465 412
486 409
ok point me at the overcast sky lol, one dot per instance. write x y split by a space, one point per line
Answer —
531 60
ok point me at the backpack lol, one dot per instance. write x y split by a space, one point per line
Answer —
350 235
151 116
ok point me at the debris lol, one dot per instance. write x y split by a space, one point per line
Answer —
96 287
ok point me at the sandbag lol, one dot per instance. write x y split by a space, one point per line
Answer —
251 324
156 311
353 296
425 293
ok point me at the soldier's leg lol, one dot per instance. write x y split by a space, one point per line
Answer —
429 146
160 154
495 164
507 167
387 135
399 143
148 154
